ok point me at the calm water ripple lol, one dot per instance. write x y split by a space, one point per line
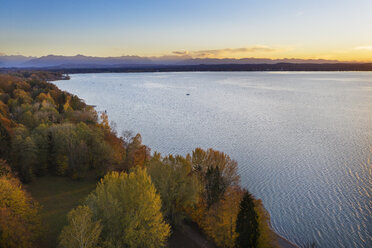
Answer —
303 141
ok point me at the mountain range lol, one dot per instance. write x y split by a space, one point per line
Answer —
81 61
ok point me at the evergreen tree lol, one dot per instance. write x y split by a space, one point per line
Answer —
247 224
215 186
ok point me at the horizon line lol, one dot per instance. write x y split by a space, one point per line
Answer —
188 57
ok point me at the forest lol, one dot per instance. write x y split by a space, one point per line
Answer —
138 198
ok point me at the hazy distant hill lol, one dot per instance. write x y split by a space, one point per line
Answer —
81 61
85 61
13 60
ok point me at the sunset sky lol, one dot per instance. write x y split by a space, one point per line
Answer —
326 29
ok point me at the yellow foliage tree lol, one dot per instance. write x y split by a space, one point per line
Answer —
130 210
22 95
81 231
266 239
67 107
45 97
178 188
19 219
220 220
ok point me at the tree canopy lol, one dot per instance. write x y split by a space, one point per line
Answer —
81 231
177 185
247 224
129 209
19 213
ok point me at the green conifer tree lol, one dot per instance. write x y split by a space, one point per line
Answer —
247 224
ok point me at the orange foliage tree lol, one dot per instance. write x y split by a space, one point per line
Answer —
220 220
19 218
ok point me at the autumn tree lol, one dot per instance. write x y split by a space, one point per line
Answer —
61 141
40 138
105 121
23 154
130 210
218 204
216 170
247 224
267 237
177 185
220 219
45 113
136 152
19 213
22 96
81 231
76 148
76 103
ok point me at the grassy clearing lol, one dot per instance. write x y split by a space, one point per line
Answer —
57 195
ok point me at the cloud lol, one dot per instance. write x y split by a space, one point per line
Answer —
363 48
226 51
180 52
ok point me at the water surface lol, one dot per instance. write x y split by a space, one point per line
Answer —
303 141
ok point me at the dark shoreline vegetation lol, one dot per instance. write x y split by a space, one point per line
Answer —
114 192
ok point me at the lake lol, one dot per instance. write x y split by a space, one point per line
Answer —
303 140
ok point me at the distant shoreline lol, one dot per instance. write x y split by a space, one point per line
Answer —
278 67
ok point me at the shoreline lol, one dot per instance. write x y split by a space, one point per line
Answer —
283 242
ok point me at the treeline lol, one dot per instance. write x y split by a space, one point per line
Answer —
46 130
139 208
139 199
